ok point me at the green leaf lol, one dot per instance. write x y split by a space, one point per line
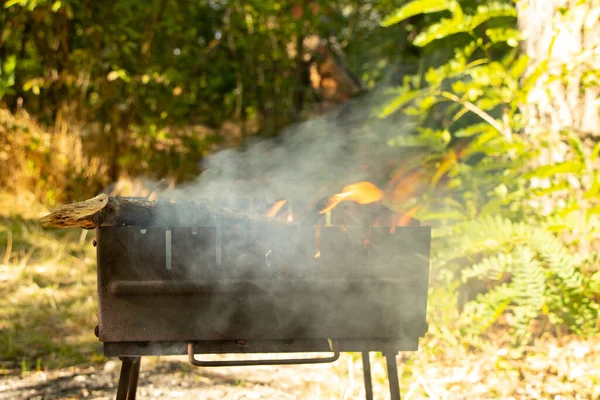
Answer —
509 36
576 144
448 215
595 152
552 189
33 85
532 78
473 130
118 74
446 27
9 65
459 114
11 3
595 210
547 171
594 189
461 24
517 68
398 103
417 7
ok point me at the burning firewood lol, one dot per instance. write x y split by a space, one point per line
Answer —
105 210
360 192
363 205
276 208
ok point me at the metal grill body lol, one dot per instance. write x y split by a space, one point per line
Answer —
256 287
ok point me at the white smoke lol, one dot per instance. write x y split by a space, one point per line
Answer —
310 159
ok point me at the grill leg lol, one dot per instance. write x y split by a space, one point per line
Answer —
130 370
124 378
367 375
133 378
392 370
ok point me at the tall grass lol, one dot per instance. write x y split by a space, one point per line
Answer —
47 286
41 166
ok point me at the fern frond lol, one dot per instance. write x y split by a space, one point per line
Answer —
557 258
529 281
532 256
492 267
479 315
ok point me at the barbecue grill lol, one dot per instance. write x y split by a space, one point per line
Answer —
196 283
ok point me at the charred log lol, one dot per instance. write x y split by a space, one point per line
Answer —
105 210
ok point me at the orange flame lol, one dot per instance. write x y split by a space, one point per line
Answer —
444 166
408 186
275 208
360 192
403 219
413 179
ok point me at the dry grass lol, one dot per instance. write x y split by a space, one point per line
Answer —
47 283
46 166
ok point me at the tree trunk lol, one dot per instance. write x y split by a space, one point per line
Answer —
570 102
562 40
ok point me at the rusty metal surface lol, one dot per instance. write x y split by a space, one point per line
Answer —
128 379
254 281
392 370
154 348
274 361
366 362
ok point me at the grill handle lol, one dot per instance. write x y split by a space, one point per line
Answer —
285 361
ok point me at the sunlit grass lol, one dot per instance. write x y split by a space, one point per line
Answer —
47 283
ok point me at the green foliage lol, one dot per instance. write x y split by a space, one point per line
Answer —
485 176
459 21
7 75
419 7
135 74
530 272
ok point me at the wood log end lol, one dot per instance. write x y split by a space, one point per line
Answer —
76 215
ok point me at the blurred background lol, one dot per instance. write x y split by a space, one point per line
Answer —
484 118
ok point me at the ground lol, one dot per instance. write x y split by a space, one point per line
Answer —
173 378
550 369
